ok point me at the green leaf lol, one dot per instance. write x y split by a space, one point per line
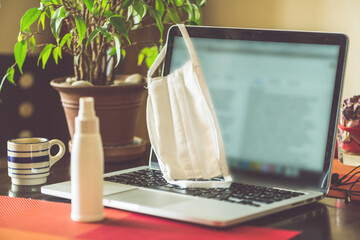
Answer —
64 39
108 13
149 54
96 11
81 28
10 75
157 16
56 2
48 12
141 58
20 37
42 20
20 53
188 3
32 43
179 2
69 40
45 54
56 55
159 5
27 30
197 12
104 4
138 6
104 31
112 51
120 26
202 3
191 15
89 4
92 36
129 12
117 48
29 18
145 6
56 22
136 21
59 52
126 4
173 15
152 54
45 2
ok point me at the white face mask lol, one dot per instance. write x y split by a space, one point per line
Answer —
183 127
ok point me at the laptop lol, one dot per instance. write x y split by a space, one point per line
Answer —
276 95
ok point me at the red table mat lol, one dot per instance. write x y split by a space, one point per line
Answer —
35 219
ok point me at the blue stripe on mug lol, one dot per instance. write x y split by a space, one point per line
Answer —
29 174
44 150
27 168
28 159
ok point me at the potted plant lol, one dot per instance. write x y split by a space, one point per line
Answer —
97 33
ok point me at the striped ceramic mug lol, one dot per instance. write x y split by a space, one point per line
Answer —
29 159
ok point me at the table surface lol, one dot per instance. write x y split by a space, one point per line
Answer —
328 219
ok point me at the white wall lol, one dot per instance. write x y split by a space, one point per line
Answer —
315 15
11 12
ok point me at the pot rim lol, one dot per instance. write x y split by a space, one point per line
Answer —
57 84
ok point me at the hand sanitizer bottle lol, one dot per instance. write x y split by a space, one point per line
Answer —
87 165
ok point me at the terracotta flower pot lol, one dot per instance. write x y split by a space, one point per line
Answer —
116 106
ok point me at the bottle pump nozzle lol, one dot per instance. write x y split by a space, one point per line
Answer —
86 109
87 121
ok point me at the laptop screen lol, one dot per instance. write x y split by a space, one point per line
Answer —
275 94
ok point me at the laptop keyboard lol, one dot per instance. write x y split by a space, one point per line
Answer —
236 193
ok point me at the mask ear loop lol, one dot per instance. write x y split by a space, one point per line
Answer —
159 59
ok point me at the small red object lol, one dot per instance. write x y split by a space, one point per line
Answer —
349 138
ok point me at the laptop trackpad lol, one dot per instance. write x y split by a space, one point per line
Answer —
144 198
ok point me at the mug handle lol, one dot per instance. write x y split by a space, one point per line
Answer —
60 153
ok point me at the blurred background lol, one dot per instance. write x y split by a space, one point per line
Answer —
34 109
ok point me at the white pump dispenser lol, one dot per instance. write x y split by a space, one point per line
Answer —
87 165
